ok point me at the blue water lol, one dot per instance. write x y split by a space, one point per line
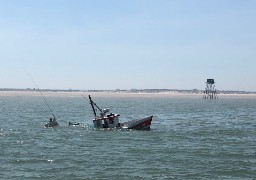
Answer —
191 138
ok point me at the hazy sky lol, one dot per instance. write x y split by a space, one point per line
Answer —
110 44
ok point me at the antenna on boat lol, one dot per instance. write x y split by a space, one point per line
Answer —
40 92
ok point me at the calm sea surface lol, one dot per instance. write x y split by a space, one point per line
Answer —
191 138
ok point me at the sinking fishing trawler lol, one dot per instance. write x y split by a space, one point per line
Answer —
110 120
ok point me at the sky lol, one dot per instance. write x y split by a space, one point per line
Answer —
125 44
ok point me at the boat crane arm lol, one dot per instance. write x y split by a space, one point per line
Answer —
91 102
94 104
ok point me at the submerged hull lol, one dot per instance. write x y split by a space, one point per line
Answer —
51 124
139 124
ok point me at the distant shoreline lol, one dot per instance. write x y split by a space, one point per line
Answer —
116 94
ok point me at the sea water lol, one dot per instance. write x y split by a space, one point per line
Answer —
190 138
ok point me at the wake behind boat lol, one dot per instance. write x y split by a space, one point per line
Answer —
110 120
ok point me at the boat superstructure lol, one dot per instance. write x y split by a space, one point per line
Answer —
106 119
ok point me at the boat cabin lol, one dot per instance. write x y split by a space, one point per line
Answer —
107 121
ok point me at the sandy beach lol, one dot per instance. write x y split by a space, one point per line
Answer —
117 94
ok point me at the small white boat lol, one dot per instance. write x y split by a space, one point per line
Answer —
52 122
73 124
110 120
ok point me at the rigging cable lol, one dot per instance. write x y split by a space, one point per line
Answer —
40 92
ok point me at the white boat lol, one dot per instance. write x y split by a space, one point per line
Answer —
73 124
110 120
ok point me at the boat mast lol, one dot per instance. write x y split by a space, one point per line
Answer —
92 104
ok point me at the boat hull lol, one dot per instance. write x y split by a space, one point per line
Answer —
139 124
51 124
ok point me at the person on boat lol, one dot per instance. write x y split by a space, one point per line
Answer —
52 120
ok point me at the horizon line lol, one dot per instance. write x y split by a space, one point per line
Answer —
120 90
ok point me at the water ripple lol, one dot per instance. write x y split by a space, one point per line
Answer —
190 139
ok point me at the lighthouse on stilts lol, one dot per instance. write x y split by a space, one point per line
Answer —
210 91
